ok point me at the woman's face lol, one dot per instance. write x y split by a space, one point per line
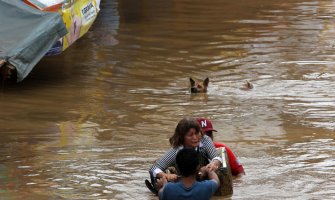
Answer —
192 138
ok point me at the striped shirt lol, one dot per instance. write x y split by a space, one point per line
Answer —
206 148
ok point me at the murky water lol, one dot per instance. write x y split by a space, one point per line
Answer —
89 123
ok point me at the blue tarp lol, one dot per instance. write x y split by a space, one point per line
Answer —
26 34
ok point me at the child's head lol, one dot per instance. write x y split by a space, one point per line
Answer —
187 162
206 126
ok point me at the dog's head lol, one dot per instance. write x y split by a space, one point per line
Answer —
247 86
198 86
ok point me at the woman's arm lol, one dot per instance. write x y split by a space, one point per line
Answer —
209 169
213 155
167 160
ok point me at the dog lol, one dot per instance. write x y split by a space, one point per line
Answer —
198 86
247 86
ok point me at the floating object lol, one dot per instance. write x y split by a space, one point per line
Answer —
225 175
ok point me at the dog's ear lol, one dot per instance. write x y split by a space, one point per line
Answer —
206 81
192 82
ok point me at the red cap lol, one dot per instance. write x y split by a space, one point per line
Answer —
205 124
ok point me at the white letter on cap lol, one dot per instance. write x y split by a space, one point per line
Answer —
204 123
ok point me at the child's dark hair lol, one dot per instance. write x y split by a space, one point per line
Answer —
187 161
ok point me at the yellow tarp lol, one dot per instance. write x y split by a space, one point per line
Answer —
78 16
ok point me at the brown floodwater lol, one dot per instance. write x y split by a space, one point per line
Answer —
88 124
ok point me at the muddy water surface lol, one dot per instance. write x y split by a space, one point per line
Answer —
89 123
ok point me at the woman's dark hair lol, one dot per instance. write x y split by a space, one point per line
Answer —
187 161
181 130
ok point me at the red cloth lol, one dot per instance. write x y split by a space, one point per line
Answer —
235 165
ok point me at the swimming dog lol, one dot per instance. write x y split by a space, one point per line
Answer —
198 86
247 86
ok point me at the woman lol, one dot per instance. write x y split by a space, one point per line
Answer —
187 135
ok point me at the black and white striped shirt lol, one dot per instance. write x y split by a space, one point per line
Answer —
206 147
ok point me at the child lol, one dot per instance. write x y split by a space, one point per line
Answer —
237 169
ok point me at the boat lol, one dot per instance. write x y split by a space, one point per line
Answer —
33 29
